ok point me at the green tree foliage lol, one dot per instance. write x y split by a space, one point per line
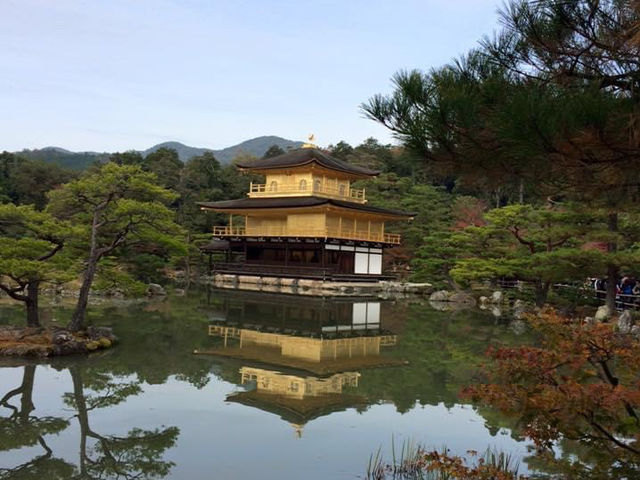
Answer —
166 165
547 109
203 179
372 154
341 150
540 245
439 250
273 151
63 159
432 206
25 181
30 254
116 206
130 157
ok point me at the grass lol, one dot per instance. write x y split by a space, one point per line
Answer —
412 462
407 462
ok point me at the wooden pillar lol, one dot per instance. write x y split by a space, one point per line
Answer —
340 225
286 254
369 229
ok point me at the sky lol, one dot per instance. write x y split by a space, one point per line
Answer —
113 75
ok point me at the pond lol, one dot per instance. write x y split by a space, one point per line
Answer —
283 387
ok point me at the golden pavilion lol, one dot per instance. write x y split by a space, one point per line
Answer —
305 220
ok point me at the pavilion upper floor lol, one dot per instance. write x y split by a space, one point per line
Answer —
307 172
309 217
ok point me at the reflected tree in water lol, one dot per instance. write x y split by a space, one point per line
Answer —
23 429
138 454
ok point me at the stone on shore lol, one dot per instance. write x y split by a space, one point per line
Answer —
155 289
462 298
497 297
440 296
625 322
603 313
41 342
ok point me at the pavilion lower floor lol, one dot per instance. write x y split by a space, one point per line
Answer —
299 258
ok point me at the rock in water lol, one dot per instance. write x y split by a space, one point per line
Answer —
602 314
625 322
464 298
156 289
440 296
440 306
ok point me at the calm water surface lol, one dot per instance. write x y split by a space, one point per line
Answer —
298 388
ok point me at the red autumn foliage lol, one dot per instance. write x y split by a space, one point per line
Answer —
468 212
582 383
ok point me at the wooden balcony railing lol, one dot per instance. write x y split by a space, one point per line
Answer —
289 190
228 231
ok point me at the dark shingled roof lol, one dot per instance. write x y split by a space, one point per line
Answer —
305 156
298 411
298 202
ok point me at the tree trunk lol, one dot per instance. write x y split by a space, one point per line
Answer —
542 292
83 416
188 261
77 319
26 400
521 191
612 268
31 302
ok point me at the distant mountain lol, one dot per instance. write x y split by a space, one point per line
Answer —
256 146
185 152
81 160
65 158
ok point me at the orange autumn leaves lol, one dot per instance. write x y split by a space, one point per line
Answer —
581 382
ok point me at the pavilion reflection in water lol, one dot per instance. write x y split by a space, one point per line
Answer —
316 346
